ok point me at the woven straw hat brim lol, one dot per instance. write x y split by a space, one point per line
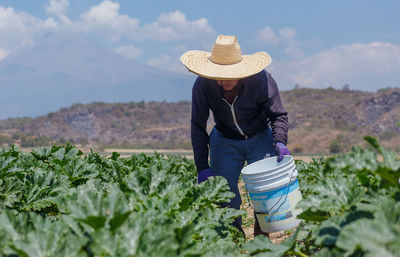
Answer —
200 64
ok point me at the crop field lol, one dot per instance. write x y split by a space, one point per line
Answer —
58 201
185 153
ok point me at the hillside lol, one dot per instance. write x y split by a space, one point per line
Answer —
58 71
320 121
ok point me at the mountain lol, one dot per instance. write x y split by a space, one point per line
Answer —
320 121
58 71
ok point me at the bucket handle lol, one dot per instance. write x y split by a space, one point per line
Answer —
268 212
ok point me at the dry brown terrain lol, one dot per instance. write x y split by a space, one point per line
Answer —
182 152
320 122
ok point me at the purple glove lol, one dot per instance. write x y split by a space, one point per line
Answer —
281 150
203 175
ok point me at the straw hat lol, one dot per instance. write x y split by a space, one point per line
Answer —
226 61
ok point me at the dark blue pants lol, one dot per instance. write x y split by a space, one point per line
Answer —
228 156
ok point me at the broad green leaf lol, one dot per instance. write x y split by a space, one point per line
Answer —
6 162
49 239
262 246
366 161
328 252
374 143
100 206
41 189
132 231
217 215
309 174
59 155
97 209
329 230
105 244
42 153
149 234
96 222
10 191
333 195
357 159
213 190
376 237
72 152
13 226
391 161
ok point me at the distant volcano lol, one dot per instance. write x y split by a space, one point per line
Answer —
59 71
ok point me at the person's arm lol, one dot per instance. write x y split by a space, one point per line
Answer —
199 135
275 111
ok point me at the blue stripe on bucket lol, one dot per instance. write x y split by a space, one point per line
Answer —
276 192
278 217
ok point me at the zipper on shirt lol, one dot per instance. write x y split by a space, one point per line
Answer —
234 117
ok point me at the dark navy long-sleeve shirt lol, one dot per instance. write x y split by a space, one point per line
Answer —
257 106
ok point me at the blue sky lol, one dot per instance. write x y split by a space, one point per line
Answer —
312 43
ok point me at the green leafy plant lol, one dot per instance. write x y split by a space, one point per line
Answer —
56 201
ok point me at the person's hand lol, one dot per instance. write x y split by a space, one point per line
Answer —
204 175
281 150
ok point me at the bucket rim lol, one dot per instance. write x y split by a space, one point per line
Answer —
268 182
278 184
287 158
291 173
268 173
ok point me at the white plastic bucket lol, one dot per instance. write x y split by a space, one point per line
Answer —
273 175
266 167
274 192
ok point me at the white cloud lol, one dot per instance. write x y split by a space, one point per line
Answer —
294 50
106 20
174 26
57 7
268 36
285 38
170 61
179 49
129 51
166 62
3 53
18 29
50 23
362 66
287 33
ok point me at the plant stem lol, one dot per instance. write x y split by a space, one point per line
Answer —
299 253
